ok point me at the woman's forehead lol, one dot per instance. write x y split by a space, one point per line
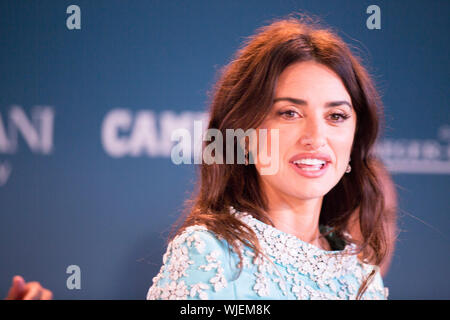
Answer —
310 81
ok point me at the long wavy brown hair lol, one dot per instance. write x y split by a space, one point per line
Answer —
242 98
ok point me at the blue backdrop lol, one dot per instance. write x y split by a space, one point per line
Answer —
86 114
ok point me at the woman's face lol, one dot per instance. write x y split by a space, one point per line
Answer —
313 112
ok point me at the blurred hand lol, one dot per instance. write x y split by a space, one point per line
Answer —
20 290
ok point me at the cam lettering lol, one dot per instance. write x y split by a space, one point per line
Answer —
143 133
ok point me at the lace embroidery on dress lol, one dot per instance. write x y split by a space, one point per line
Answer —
176 267
329 270
296 268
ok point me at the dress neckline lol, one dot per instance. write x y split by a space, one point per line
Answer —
265 230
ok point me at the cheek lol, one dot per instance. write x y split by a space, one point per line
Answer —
342 146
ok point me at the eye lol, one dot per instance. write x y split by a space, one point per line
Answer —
289 114
339 117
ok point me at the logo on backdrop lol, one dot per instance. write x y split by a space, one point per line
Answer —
415 156
36 130
145 133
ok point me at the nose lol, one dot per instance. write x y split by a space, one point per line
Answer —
312 134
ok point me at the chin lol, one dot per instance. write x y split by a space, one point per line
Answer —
309 193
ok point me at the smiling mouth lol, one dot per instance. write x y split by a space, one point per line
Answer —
310 167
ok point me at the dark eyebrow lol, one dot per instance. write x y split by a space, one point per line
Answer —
304 103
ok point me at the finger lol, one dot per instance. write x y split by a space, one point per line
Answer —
33 291
47 295
17 289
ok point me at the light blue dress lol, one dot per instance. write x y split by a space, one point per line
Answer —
199 265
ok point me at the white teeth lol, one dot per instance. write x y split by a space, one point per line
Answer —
310 162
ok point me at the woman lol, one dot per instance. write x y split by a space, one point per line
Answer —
286 235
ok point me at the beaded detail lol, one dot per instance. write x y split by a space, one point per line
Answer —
176 263
197 266
327 269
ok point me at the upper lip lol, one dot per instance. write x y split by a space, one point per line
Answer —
320 156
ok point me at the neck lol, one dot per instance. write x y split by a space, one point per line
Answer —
299 217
